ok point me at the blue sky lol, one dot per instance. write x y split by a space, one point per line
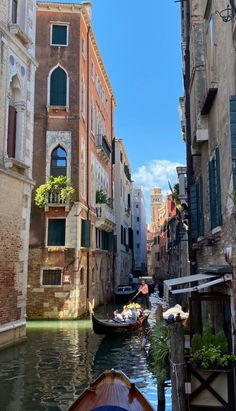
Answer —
141 48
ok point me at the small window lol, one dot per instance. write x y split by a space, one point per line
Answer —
11 139
137 245
14 11
121 157
93 275
56 231
83 47
137 232
83 98
136 205
59 35
92 71
137 219
58 87
52 277
82 276
85 233
58 162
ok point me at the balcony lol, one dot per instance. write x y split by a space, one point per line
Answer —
105 217
103 147
54 199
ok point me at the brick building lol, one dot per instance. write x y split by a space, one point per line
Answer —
71 257
17 49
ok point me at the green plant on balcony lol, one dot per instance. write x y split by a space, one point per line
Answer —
60 185
210 350
102 198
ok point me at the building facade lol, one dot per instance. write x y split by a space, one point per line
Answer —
157 208
208 127
139 231
17 59
123 213
71 238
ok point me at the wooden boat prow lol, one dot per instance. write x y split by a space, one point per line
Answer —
111 391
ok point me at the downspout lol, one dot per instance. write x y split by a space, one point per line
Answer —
88 153
189 160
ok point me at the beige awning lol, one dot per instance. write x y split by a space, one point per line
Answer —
214 279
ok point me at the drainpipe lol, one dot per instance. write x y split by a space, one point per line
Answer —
88 156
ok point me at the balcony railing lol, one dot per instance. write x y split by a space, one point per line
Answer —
54 200
105 217
103 147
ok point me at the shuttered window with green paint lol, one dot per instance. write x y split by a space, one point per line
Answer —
85 233
58 87
196 206
59 35
215 190
56 231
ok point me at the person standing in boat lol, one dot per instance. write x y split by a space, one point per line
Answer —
143 289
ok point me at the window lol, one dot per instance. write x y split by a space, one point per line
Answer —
59 35
137 245
85 233
58 162
121 157
93 275
121 234
137 219
58 87
214 189
136 205
92 116
14 11
82 276
137 232
83 98
196 207
56 231
11 140
92 71
52 277
83 47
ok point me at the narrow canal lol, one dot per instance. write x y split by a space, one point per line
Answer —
58 361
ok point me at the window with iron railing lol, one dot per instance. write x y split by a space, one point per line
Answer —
52 277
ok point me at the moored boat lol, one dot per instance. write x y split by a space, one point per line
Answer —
124 293
111 326
111 391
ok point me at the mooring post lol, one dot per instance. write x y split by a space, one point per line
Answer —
177 367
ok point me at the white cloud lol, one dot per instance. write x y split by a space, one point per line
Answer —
156 173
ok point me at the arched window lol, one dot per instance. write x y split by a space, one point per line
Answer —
58 87
58 162
82 276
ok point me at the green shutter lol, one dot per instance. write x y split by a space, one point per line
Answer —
115 243
59 35
110 241
58 87
233 136
218 189
56 231
85 233
194 211
200 207
212 193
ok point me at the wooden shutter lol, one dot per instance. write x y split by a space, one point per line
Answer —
110 241
58 83
131 238
85 233
194 211
11 138
56 231
200 207
218 188
59 35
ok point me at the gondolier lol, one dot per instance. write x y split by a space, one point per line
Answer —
143 289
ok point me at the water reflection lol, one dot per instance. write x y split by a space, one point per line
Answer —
59 359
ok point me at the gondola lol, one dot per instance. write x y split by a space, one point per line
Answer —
111 326
111 391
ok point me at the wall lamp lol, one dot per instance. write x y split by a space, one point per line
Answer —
227 14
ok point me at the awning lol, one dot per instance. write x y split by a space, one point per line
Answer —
214 279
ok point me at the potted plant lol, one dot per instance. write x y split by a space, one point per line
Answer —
101 198
210 350
58 187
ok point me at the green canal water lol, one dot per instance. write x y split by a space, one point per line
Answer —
59 359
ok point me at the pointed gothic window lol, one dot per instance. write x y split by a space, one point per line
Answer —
58 162
58 87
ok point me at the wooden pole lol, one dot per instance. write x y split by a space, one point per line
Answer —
177 367
160 384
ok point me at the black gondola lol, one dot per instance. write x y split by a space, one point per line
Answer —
111 326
